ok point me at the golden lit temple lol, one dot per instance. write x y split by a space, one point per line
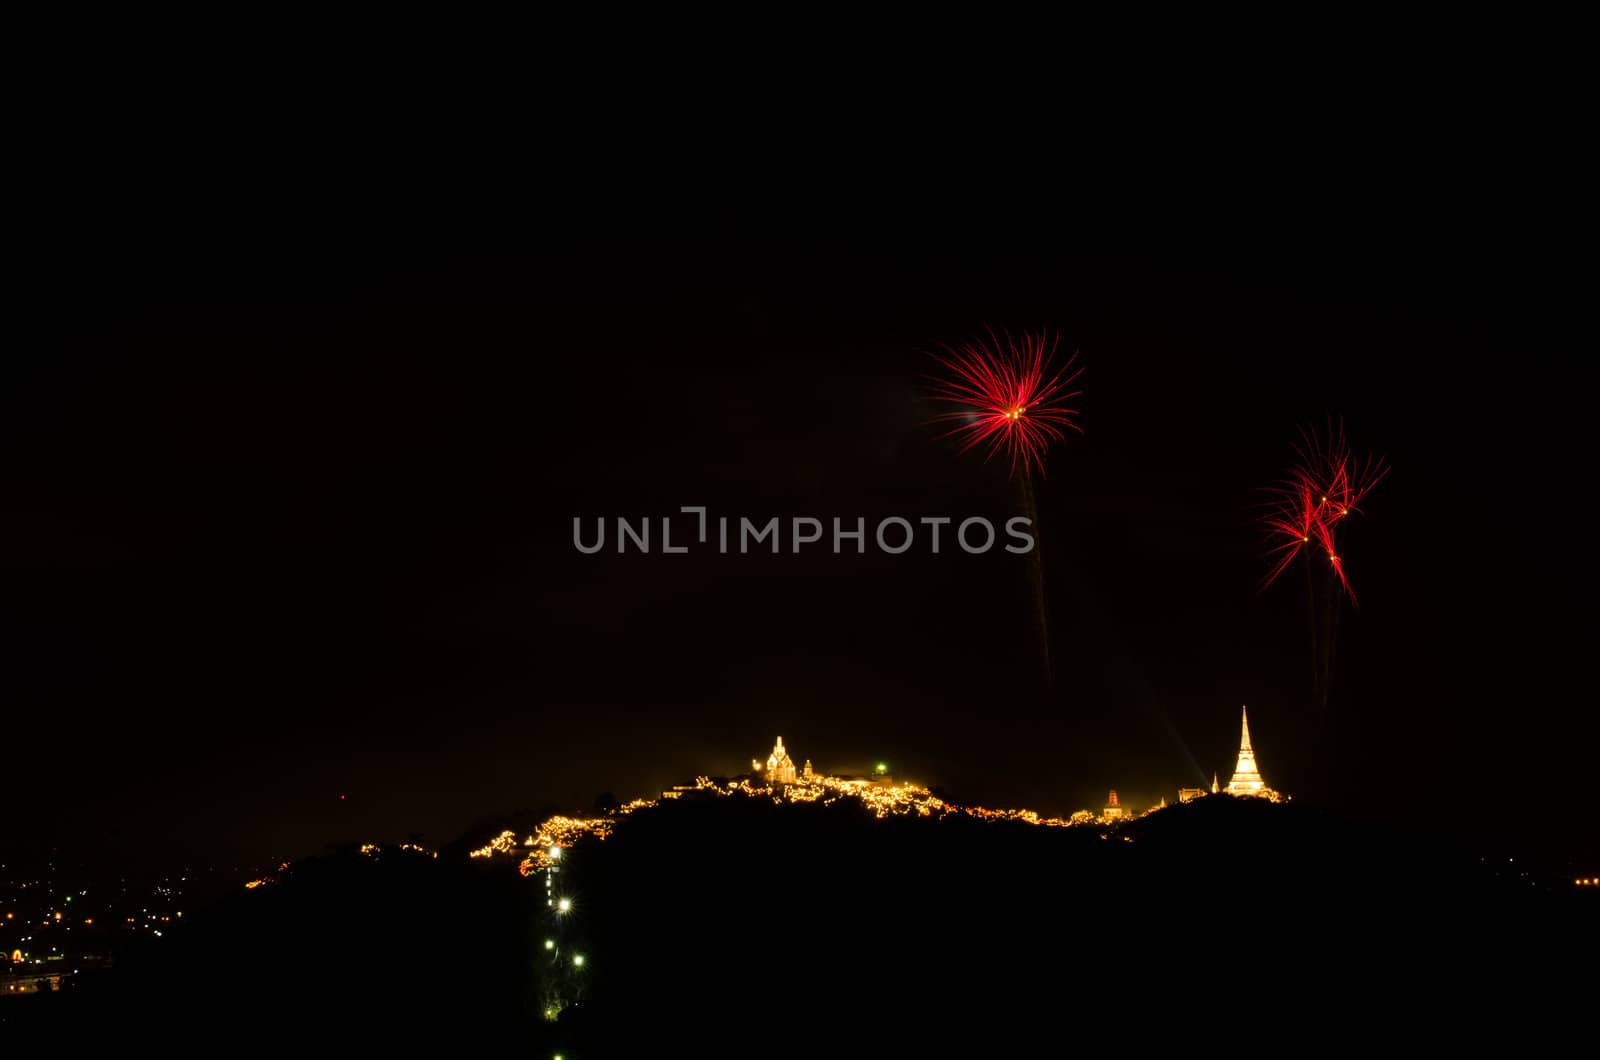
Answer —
1246 777
780 767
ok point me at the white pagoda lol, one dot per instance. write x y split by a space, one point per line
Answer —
1246 777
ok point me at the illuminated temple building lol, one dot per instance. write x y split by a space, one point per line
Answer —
780 767
1246 777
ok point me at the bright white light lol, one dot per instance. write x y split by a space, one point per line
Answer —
555 852
565 905
549 944
578 960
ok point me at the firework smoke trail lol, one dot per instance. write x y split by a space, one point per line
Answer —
1307 515
1030 505
1006 396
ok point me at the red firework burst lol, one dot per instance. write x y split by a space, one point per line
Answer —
1321 492
1007 396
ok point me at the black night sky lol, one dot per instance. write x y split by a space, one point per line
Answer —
290 479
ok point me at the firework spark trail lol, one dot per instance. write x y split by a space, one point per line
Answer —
1307 514
1311 506
1007 397
1004 395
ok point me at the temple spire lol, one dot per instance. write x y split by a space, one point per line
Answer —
1246 777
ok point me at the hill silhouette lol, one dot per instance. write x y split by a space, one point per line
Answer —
835 929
